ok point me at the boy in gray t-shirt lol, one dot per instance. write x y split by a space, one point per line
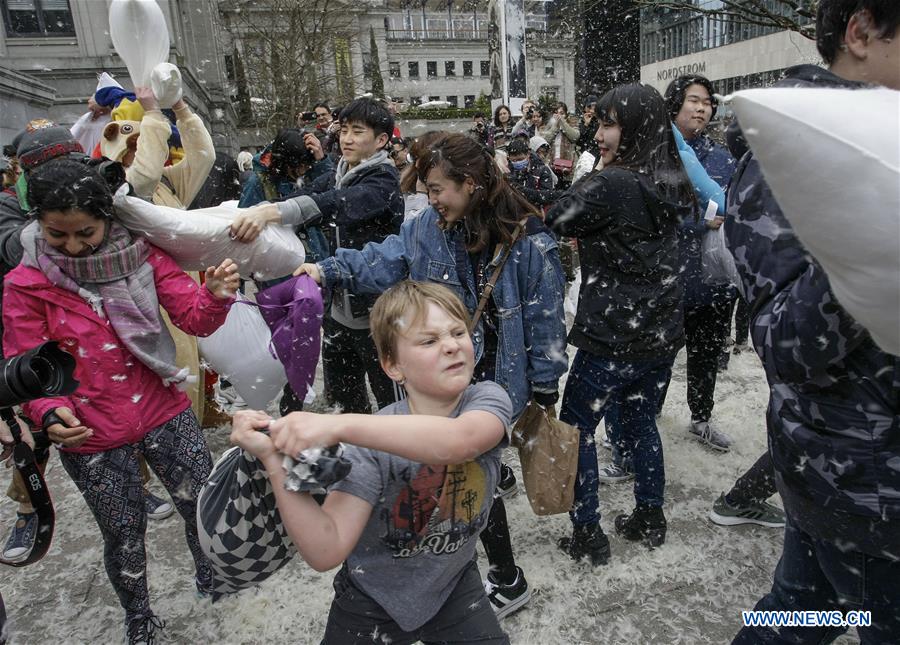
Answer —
405 521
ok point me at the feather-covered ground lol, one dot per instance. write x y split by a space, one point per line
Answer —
690 591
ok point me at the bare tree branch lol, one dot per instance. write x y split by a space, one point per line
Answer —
287 55
792 15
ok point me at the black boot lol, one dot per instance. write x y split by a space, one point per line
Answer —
587 540
646 524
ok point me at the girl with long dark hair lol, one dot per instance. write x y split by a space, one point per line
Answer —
628 326
457 242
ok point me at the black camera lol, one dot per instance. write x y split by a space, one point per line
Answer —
43 371
113 172
308 116
530 113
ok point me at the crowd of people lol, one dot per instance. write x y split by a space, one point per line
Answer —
445 261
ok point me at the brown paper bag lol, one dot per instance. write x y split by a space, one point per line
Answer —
548 452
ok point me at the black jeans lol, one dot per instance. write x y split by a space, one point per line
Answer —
818 575
348 356
705 328
756 485
741 322
466 616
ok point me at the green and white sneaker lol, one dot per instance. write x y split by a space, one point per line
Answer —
762 514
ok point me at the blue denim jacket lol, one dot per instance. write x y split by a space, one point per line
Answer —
531 355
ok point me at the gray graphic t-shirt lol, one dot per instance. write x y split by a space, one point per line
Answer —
425 519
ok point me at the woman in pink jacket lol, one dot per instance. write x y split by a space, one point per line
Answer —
85 282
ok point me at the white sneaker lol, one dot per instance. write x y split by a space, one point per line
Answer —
613 474
703 432
227 398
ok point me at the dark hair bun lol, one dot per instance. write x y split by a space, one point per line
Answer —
62 184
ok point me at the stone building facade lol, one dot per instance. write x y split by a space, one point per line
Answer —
52 50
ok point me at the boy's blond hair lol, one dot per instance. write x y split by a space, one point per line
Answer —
404 304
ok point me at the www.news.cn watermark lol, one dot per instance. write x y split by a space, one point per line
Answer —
807 618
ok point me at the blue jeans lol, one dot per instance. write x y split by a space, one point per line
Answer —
816 575
634 388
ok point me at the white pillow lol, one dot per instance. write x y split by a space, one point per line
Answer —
239 351
832 160
165 81
585 164
139 33
201 238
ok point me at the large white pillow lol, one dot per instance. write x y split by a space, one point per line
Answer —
139 33
201 238
832 160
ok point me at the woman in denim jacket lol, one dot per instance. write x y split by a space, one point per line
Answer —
520 341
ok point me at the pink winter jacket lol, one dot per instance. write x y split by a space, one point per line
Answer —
119 397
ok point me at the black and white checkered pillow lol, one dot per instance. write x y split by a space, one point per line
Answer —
239 525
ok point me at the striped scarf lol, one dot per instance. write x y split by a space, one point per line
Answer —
118 283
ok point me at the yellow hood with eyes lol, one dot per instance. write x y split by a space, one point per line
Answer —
118 138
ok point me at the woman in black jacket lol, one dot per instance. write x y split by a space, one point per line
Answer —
628 327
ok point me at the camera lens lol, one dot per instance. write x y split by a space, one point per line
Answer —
47 374
43 371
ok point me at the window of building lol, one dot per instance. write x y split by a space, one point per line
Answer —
469 100
485 68
229 68
550 93
32 18
414 69
449 68
453 101
431 68
415 100
411 27
434 98
549 67
467 68
394 70
464 28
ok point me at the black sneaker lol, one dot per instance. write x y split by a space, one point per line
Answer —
506 599
760 513
203 580
646 524
588 540
506 487
141 630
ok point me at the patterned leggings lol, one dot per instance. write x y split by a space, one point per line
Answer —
110 482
